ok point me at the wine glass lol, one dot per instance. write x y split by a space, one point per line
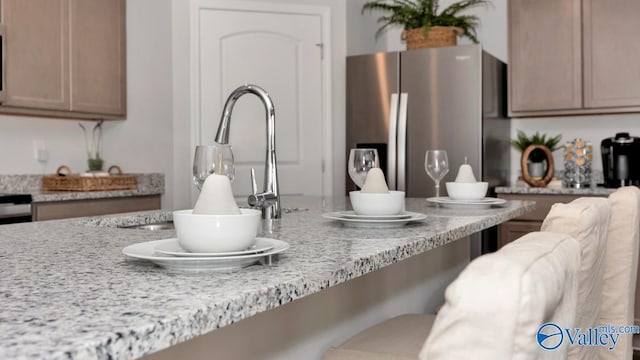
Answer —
212 159
360 162
437 166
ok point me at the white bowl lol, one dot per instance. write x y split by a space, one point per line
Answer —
216 233
467 191
391 203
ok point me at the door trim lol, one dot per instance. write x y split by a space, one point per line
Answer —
324 12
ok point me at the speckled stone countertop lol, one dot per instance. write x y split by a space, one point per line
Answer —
590 191
68 292
148 184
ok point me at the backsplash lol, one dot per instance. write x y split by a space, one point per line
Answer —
593 128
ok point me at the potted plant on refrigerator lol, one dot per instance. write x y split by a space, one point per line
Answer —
425 26
536 150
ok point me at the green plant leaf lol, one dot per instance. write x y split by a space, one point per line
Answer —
414 14
522 141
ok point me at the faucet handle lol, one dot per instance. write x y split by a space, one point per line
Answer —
262 200
254 186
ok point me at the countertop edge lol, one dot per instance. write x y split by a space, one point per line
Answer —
594 191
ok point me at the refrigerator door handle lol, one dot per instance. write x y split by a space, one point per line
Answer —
402 143
3 55
391 150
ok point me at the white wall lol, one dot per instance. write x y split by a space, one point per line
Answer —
143 142
492 34
592 128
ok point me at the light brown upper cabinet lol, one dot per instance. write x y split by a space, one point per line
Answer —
64 58
572 57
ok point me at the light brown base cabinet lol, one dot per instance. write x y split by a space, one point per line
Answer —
511 230
78 208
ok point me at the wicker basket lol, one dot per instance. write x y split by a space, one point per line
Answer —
438 36
62 181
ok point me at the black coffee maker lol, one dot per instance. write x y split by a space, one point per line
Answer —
621 160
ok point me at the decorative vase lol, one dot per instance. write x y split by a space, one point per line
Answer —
438 36
95 164
578 155
536 169
545 178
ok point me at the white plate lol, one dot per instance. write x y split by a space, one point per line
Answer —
373 223
173 248
146 251
352 215
480 203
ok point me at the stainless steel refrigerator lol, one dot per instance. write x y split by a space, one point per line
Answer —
450 98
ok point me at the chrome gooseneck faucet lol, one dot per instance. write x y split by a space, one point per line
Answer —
269 199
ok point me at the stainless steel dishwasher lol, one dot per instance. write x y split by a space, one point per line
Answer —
15 208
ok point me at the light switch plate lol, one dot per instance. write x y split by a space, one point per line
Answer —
40 151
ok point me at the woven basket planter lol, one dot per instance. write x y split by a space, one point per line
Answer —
63 179
438 36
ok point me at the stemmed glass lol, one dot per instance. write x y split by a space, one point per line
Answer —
360 162
212 159
437 166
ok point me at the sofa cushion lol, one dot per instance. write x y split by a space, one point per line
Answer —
620 268
494 309
586 219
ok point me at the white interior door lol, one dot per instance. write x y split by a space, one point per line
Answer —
280 51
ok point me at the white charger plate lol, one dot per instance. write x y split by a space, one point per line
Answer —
146 251
352 215
374 223
480 203
174 248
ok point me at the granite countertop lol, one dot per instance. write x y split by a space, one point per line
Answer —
590 191
69 293
593 190
148 184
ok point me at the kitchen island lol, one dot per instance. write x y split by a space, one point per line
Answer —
69 293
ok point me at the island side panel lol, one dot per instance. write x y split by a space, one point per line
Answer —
306 328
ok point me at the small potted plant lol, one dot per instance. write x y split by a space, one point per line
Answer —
536 157
425 26
94 147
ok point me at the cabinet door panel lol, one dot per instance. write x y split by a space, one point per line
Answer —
98 56
37 48
611 53
545 61
512 230
93 207
543 203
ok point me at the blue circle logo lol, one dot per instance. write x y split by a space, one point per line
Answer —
549 336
